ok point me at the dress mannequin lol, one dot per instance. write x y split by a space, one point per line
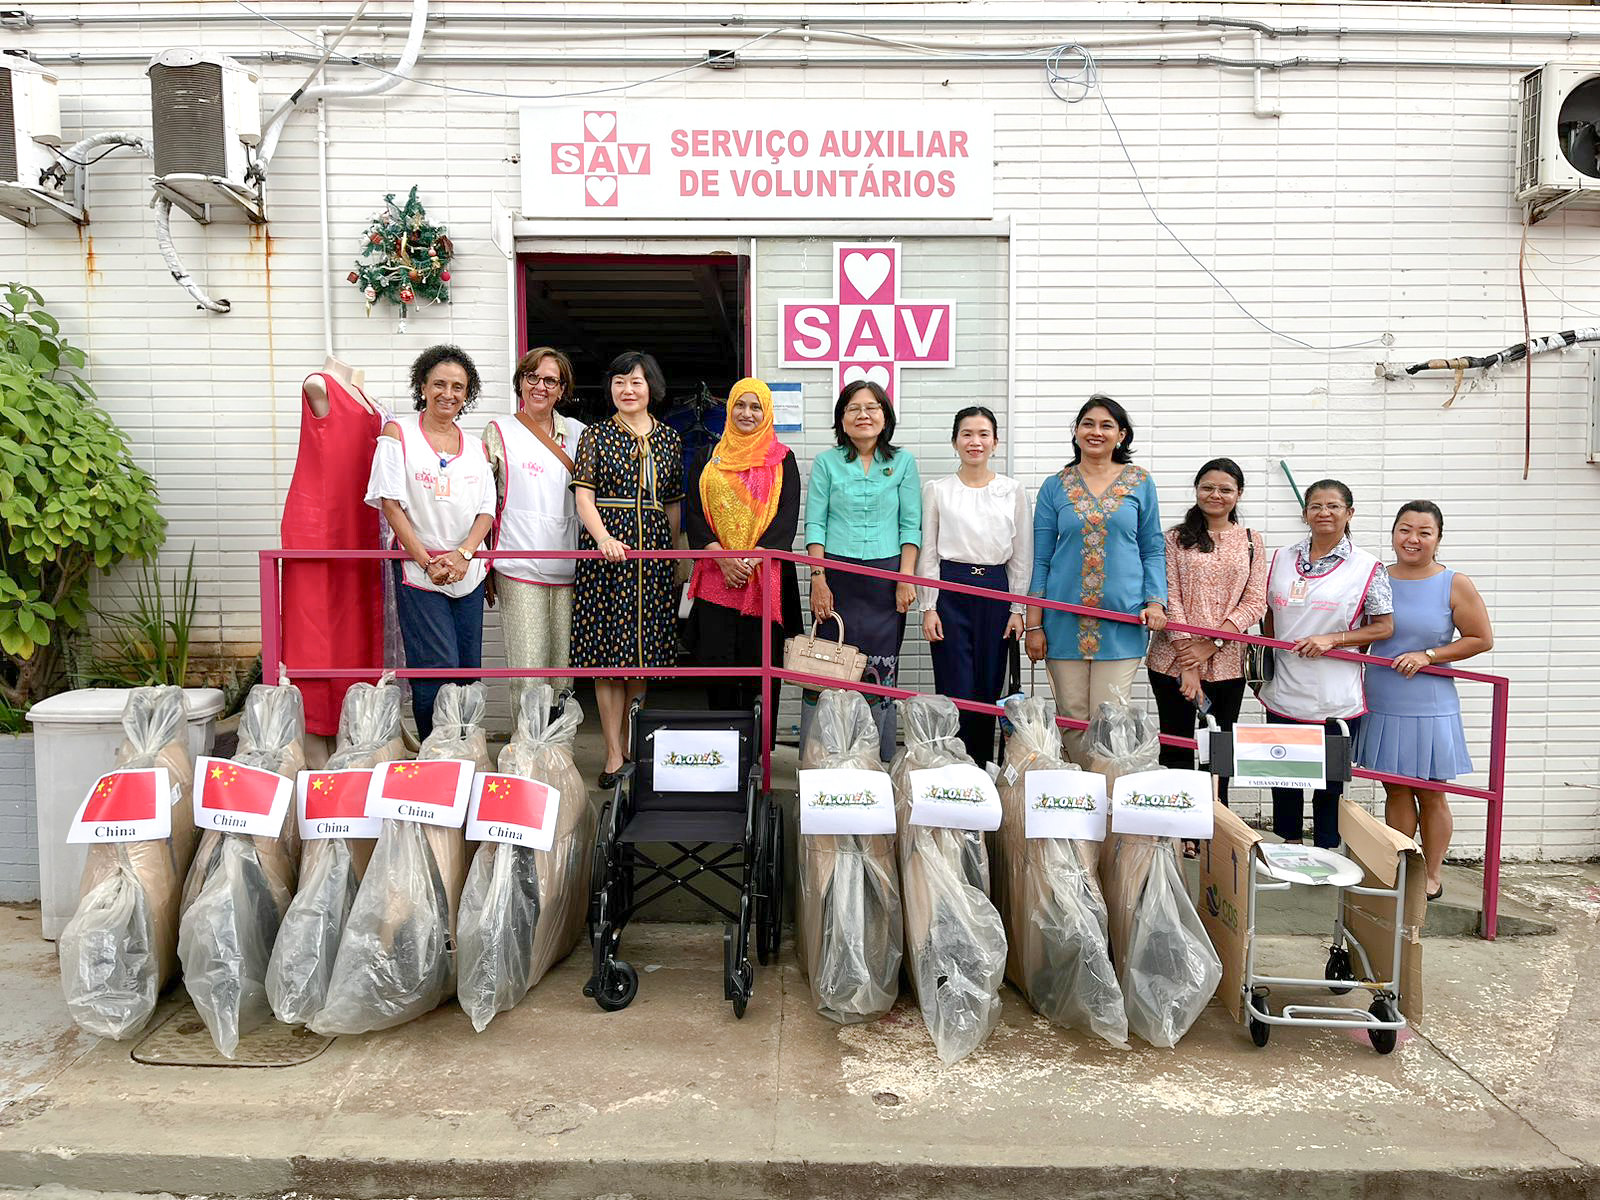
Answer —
354 378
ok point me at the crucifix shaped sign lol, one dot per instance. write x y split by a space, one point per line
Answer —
867 330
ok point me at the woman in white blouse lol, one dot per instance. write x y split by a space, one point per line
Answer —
436 489
976 530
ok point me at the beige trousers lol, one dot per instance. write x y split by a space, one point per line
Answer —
536 622
1081 686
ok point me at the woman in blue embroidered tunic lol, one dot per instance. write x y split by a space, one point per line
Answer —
1097 541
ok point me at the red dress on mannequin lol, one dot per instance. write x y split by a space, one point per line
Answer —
332 611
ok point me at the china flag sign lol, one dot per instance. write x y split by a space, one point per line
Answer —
509 808
334 804
433 792
236 798
125 806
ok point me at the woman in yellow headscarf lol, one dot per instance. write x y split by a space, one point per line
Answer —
744 494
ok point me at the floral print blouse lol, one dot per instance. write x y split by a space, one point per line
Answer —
1227 583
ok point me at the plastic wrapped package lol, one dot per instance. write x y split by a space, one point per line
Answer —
1165 962
396 960
121 946
240 886
850 930
1049 894
522 909
331 868
955 942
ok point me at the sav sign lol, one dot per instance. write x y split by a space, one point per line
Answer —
866 330
752 159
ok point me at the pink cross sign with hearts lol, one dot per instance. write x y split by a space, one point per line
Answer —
867 331
600 158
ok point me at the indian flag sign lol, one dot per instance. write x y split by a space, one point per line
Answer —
1279 756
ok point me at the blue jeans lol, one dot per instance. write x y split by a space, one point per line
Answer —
1289 804
438 631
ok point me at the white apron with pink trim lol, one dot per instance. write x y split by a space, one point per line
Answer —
1316 689
539 512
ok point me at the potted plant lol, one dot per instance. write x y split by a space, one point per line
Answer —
73 503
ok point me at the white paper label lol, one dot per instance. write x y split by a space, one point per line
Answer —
509 808
696 760
1163 804
330 804
959 796
234 798
1291 756
433 792
125 806
846 800
1066 804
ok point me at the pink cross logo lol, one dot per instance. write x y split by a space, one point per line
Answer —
867 331
600 158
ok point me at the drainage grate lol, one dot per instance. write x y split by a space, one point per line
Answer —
183 1041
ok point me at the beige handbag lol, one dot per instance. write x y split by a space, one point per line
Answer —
812 655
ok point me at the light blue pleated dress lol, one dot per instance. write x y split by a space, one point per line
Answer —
1413 726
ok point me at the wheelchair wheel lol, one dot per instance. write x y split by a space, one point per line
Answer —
769 905
619 984
1383 1040
597 871
1339 968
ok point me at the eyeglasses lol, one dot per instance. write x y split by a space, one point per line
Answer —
549 382
866 410
1207 489
1318 510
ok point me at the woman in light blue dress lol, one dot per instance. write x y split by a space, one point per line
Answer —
1413 723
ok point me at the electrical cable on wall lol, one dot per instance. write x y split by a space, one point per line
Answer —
1072 85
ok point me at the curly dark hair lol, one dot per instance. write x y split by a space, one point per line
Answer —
434 356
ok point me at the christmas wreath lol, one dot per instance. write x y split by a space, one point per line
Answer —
406 258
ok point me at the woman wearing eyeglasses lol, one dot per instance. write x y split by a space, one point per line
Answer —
864 505
1322 594
532 459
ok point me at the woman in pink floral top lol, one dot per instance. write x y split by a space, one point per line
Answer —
1216 577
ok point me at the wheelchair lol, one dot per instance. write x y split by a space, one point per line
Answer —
735 835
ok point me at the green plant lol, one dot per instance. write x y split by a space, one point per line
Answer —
149 644
72 500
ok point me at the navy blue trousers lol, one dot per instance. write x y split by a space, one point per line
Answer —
1289 804
438 631
970 664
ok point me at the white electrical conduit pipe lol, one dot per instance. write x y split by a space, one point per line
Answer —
169 252
380 82
74 154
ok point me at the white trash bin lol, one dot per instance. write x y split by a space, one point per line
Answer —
75 738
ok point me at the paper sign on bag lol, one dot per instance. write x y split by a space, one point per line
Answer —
511 808
331 804
235 798
1066 804
843 800
433 792
125 806
1163 804
696 760
958 796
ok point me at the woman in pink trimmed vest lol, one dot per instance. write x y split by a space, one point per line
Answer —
1322 594
532 458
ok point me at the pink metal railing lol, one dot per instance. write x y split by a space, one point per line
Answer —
769 673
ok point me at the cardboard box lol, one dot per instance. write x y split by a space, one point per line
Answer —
1228 858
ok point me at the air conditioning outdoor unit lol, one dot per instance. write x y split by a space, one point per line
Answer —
205 113
30 124
1558 138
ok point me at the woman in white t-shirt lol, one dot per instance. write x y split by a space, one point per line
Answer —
532 455
976 530
434 485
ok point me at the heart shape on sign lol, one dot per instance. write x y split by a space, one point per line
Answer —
601 188
601 125
867 272
877 375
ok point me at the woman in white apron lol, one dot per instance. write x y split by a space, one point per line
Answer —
434 486
532 454
1322 594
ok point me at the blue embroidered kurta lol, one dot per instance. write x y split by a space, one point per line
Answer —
1106 551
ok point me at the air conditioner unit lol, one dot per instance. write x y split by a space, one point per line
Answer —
30 124
205 114
1558 138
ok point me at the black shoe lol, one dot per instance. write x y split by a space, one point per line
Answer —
608 779
1432 896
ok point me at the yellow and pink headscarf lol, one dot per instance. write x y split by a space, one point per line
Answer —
739 492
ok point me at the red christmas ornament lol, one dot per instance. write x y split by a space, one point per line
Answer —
354 278
416 275
407 295
376 239
444 276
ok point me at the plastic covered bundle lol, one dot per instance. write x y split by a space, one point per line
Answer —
121 945
523 909
240 886
396 960
955 940
331 868
1165 961
1049 894
850 929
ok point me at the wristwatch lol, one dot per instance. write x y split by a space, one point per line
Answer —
464 552
1221 642
1430 654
